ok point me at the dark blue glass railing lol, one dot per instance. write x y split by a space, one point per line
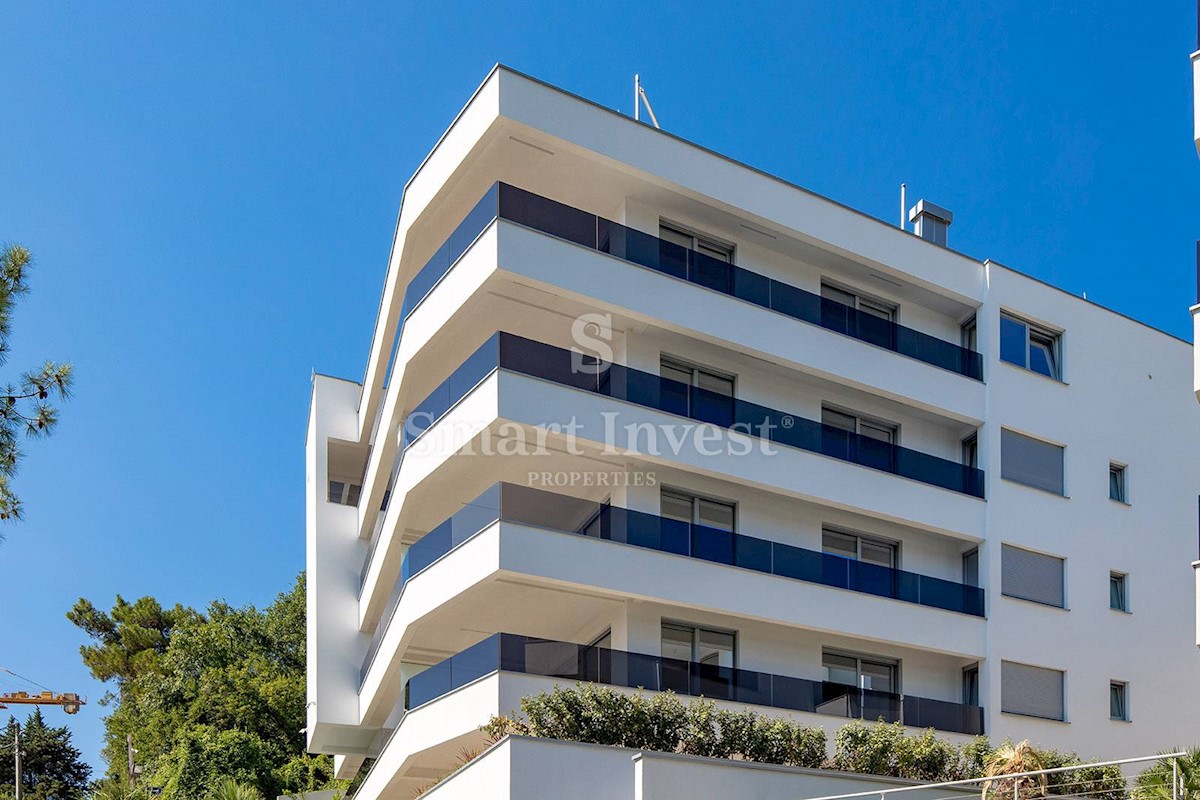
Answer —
563 221
541 509
538 508
451 250
525 655
560 366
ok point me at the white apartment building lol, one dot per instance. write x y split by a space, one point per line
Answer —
638 414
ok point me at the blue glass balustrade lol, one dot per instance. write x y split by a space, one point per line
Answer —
516 354
542 509
525 655
556 219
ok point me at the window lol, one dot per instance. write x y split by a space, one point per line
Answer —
862 671
836 441
1032 462
1117 487
866 318
970 685
970 451
1118 700
710 247
1118 591
705 394
1032 576
344 493
711 651
1032 691
969 335
970 567
1027 345
697 645
863 303
603 641
864 426
697 510
859 548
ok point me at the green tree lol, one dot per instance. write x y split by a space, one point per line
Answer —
206 696
1155 783
1015 759
50 764
229 789
25 405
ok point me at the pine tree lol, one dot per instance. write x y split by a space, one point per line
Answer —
51 768
24 406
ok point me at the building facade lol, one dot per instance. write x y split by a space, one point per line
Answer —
637 414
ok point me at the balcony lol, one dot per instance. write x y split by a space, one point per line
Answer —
547 216
513 353
572 662
536 508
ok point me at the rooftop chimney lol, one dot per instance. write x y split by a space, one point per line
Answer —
930 222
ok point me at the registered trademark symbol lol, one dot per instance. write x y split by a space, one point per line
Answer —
788 421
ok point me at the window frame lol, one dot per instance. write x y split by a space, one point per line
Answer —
1022 435
968 333
969 450
687 365
1052 342
892 309
859 538
967 686
966 554
1062 673
1122 474
695 499
1121 689
1066 606
859 419
348 490
1122 581
712 243
696 629
894 664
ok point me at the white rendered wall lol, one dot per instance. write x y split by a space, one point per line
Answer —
1125 398
334 557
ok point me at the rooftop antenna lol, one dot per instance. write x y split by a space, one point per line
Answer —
903 205
639 97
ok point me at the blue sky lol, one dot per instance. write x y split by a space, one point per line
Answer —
210 192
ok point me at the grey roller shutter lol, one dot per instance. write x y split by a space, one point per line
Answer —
1032 576
1031 461
1032 691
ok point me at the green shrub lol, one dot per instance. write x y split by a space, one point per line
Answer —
701 736
973 758
868 749
601 715
926 758
1155 782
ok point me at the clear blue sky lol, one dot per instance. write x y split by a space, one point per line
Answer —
210 192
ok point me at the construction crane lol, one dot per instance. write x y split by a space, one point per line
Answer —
69 701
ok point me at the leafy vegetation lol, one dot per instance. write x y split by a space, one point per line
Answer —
208 697
1155 783
50 764
25 405
601 715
